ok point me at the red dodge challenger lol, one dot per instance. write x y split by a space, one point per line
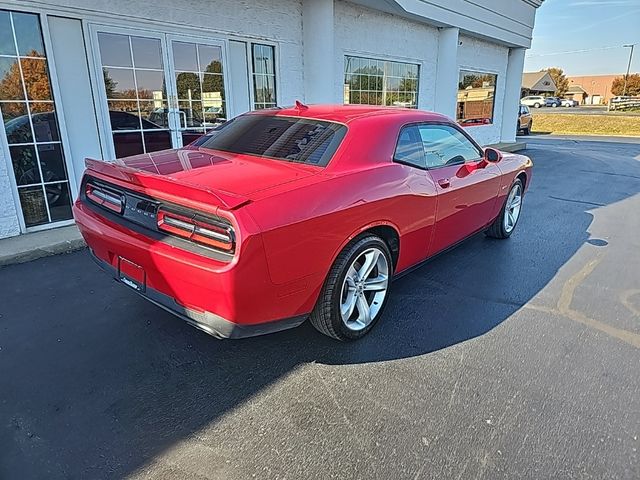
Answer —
286 214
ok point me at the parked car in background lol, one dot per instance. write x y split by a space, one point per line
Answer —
525 120
552 102
535 101
277 216
568 102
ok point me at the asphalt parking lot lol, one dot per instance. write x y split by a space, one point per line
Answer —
499 360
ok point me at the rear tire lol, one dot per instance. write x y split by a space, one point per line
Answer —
536 105
345 298
503 226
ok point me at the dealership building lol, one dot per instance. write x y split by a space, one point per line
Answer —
106 79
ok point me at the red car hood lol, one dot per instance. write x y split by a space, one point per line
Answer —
219 171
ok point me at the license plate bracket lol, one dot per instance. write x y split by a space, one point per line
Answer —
132 274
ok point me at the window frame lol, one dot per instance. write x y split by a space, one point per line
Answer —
253 74
382 58
72 177
455 126
475 70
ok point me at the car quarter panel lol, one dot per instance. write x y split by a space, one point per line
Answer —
304 229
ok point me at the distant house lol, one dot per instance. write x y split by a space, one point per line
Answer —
592 89
537 83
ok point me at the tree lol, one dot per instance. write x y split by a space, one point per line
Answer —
561 81
633 85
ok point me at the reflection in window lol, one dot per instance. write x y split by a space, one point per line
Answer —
476 98
380 82
133 76
264 76
200 85
30 121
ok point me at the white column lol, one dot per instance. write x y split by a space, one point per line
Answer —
513 83
318 50
447 72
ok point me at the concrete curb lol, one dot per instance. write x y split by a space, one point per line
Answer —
25 248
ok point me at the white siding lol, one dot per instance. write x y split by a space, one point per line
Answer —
380 35
483 56
8 216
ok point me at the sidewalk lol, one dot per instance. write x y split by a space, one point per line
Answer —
31 246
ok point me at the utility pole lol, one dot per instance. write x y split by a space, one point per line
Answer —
626 78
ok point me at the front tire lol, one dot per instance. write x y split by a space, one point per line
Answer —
503 226
356 290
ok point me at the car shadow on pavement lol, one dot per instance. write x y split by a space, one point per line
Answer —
97 383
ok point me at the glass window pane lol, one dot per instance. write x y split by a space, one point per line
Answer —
28 35
25 165
212 88
191 114
154 114
52 162
34 208
59 201
7 46
127 144
210 58
476 98
10 80
445 145
36 78
124 115
259 86
188 85
114 50
16 122
147 52
184 56
150 84
45 124
154 141
409 149
119 83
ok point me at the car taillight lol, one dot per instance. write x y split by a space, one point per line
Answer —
197 228
105 197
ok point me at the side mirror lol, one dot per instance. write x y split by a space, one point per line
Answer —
492 155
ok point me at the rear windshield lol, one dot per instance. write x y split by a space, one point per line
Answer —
301 140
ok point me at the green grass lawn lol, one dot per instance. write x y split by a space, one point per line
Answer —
586 124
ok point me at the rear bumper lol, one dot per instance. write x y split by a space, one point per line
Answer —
227 299
208 322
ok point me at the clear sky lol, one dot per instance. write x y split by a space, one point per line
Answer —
570 25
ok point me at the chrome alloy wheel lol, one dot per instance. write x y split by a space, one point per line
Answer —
512 210
364 289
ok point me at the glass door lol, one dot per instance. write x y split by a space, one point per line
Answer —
133 70
197 76
160 91
31 127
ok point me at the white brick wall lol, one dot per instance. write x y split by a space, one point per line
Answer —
8 217
382 36
274 20
476 54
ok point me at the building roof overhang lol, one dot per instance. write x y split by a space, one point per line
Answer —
478 18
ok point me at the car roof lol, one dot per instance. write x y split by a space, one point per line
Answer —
349 113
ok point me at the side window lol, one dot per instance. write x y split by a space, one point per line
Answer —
445 145
409 149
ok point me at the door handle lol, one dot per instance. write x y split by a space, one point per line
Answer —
444 182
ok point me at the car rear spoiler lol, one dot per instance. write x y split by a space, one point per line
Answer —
167 185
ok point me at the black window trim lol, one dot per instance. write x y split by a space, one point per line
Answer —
447 124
